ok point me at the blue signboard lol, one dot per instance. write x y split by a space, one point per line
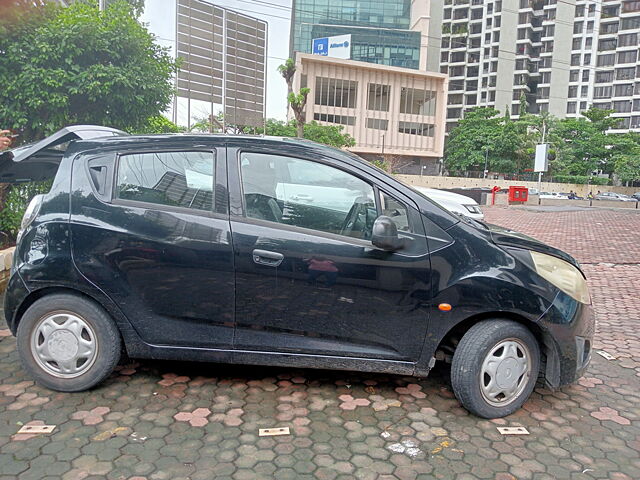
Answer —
338 46
321 46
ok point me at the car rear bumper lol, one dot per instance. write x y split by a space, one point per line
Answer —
15 294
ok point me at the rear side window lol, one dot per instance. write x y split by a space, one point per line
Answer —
176 179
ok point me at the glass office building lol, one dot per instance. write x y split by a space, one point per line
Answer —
379 29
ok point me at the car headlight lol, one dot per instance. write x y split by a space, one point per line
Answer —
562 275
473 208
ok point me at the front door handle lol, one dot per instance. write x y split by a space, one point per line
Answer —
265 257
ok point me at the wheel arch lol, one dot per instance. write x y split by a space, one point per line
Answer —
125 329
550 357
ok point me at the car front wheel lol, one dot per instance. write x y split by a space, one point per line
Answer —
68 343
495 368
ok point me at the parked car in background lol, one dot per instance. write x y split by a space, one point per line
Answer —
533 191
616 197
636 196
210 248
454 202
554 195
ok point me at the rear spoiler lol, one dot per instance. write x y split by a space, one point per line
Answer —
39 161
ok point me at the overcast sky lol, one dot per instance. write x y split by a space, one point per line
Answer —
160 15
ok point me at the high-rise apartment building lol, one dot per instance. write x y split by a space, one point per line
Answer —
381 30
560 56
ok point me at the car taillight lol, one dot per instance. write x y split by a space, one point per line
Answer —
30 214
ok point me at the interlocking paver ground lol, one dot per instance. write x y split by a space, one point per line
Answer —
168 420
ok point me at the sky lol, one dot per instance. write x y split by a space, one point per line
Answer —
160 17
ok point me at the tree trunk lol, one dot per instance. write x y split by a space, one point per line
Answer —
300 129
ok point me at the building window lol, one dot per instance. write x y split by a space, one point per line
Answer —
577 44
417 128
628 40
636 105
336 92
573 76
329 118
607 44
584 90
623 106
606 28
624 90
418 102
454 112
627 57
573 92
577 27
545 77
631 6
602 92
627 73
575 59
377 123
571 107
587 59
585 75
604 77
630 23
606 60
378 97
543 92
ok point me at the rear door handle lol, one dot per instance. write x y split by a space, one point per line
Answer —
265 257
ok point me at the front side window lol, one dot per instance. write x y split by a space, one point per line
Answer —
176 179
306 194
396 210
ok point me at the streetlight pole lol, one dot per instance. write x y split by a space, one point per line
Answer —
486 162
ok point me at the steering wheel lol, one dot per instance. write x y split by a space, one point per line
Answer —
352 217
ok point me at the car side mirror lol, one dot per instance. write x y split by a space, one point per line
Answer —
384 234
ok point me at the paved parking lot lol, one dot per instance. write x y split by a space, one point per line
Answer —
167 420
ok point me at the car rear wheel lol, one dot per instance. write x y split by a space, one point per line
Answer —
68 343
495 368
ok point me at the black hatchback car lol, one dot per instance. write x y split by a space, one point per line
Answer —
276 251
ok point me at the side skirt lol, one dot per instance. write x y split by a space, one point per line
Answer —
246 357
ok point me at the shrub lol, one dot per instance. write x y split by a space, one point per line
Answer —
16 203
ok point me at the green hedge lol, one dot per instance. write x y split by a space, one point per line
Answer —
16 203
580 179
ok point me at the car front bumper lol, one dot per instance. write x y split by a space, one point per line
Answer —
568 328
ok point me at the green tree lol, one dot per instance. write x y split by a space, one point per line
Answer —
158 124
485 136
327 134
297 101
78 65
582 144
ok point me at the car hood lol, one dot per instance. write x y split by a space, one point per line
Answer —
510 238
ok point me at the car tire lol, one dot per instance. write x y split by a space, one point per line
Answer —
495 368
68 343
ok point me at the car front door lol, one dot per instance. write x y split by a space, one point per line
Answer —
308 279
154 236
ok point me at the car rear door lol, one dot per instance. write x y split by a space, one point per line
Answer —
150 228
